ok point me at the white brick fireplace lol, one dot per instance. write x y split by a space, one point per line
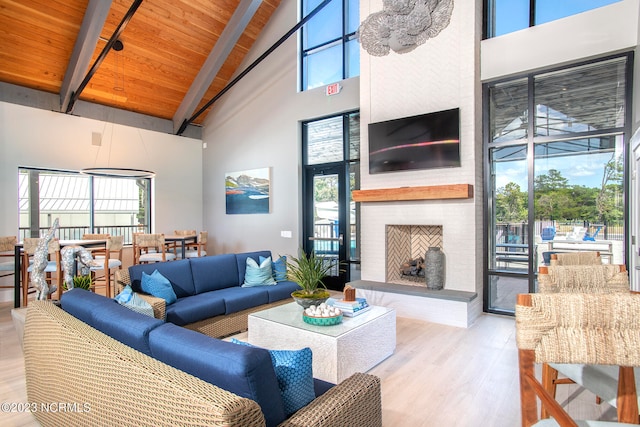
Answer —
460 222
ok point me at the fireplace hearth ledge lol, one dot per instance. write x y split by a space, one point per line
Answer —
445 306
420 291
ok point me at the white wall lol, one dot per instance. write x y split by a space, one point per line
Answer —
441 74
256 125
32 137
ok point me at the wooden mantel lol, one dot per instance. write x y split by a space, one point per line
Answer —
429 192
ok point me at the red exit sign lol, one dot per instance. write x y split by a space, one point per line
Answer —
333 89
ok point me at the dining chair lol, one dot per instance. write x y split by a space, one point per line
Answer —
151 248
592 279
174 245
114 246
577 329
197 249
7 258
54 265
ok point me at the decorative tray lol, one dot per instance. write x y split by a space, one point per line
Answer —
322 321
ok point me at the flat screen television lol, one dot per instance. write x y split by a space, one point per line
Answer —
425 141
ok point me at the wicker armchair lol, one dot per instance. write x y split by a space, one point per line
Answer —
577 329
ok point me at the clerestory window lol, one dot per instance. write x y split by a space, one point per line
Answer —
507 16
329 49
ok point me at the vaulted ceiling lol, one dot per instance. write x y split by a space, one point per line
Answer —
177 54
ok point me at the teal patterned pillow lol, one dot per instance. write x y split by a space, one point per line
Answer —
158 286
258 275
295 376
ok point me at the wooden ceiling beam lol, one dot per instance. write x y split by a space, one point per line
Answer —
223 47
92 23
114 37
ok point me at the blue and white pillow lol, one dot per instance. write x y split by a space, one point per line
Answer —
159 286
258 275
294 370
134 302
279 268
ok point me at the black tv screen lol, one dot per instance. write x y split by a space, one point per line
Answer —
420 142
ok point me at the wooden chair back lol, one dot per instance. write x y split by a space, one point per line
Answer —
576 258
185 232
583 278
149 243
577 329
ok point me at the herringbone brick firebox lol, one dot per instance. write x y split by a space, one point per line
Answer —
408 242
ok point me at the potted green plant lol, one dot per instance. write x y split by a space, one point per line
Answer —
82 282
307 271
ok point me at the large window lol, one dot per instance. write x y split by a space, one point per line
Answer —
83 204
330 51
555 148
507 16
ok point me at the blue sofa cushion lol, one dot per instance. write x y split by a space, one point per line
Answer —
242 262
178 273
81 303
245 371
321 387
239 298
158 286
111 318
281 291
195 308
215 272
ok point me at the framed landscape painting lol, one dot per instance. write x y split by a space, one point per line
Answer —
247 192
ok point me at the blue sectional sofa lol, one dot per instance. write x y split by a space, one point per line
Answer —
211 299
113 366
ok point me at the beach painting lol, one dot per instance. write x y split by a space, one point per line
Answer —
247 192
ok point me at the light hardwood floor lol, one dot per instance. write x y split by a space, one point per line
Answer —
439 376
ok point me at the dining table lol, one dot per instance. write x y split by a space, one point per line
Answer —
183 240
88 243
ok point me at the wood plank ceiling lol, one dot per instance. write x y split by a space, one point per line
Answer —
167 44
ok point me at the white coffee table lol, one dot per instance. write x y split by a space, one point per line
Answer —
355 345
